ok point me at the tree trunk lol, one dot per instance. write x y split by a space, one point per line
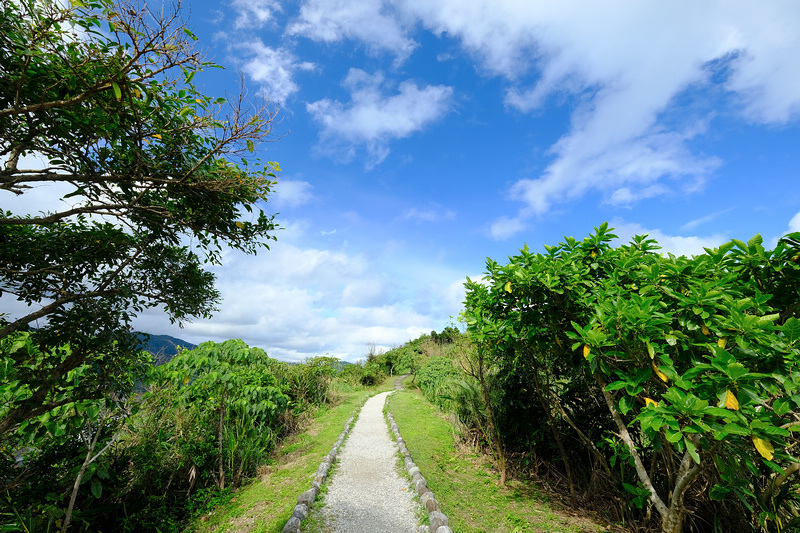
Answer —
89 460
672 516
221 421
556 434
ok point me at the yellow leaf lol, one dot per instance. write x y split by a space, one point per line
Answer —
586 350
508 286
662 376
185 381
239 225
648 401
198 100
157 135
705 330
730 401
722 342
764 447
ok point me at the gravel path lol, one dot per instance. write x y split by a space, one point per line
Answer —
365 494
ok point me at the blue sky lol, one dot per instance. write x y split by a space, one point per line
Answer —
419 137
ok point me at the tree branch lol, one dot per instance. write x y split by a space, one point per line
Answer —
626 438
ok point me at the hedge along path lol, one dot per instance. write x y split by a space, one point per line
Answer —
366 494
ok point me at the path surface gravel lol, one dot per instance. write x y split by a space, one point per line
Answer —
366 494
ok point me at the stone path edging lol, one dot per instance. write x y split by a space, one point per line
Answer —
438 520
305 500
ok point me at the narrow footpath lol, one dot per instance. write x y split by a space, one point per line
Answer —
366 494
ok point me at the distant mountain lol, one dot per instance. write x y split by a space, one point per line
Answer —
164 347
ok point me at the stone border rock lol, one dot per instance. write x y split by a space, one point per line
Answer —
305 500
438 520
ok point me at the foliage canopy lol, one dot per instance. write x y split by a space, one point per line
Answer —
696 360
97 103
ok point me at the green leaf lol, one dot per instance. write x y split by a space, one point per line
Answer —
250 146
735 371
673 436
718 492
97 488
791 330
736 429
692 449
117 90
626 403
773 466
616 385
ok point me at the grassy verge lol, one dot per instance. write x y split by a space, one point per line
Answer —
266 504
465 484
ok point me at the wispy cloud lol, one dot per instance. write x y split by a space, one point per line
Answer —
435 213
370 21
624 67
254 14
272 68
292 193
372 119
676 244
506 227
299 301
794 224
692 224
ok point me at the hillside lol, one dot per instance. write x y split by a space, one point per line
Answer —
163 347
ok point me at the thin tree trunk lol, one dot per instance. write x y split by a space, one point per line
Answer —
221 421
89 460
556 434
672 516
584 439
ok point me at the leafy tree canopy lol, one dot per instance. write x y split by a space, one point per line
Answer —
697 359
103 94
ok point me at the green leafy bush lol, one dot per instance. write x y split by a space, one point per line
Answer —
433 375
695 361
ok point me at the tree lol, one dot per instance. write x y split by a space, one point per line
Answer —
103 93
229 382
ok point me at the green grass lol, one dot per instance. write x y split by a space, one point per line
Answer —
266 504
465 484
462 480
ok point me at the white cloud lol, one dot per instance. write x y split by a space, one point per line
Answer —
675 244
373 119
506 227
692 224
272 68
794 224
254 14
298 302
625 65
370 21
292 193
364 293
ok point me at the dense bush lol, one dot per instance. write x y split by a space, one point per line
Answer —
677 377
211 416
433 375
